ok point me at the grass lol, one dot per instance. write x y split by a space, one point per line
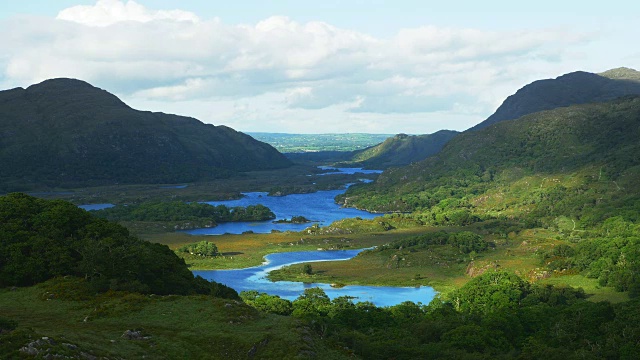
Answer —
590 286
445 270
194 327
245 250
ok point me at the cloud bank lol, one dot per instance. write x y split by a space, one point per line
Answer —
281 75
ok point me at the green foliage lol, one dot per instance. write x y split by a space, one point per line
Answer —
569 168
402 149
490 292
613 257
181 211
313 303
7 325
307 269
299 220
268 303
202 248
497 315
355 225
464 241
42 239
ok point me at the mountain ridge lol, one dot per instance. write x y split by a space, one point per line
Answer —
599 139
579 87
68 133
402 149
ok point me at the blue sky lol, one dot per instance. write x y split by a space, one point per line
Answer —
315 66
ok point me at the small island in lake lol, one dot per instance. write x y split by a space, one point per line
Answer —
293 220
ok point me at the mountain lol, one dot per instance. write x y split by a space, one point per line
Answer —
581 161
68 133
570 89
402 149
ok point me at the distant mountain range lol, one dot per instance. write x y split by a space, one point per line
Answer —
402 149
570 89
68 133
397 150
586 149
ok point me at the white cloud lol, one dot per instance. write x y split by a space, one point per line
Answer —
278 73
109 12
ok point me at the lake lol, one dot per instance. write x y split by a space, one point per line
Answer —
254 278
93 207
319 207
336 170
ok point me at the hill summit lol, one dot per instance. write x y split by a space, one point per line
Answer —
68 133
575 88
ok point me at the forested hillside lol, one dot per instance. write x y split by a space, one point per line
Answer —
43 239
397 150
579 161
402 149
67 133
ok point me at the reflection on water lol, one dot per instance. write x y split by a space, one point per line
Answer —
255 279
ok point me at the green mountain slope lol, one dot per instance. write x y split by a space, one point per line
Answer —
580 161
402 149
397 150
65 132
570 89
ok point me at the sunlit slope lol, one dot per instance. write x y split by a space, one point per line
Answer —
583 156
402 149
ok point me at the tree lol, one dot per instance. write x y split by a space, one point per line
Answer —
202 248
307 269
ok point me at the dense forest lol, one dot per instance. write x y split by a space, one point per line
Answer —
496 315
42 239
185 215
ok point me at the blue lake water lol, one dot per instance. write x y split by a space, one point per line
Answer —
254 278
90 207
319 207
336 170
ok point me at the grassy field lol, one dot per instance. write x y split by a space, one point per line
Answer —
245 250
172 327
445 270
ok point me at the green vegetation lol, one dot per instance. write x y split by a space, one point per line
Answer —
502 222
42 239
294 220
122 325
181 215
296 143
397 150
67 133
539 167
203 248
401 149
495 315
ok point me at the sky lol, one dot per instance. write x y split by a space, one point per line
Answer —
324 66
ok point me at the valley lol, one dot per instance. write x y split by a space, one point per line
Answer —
513 229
